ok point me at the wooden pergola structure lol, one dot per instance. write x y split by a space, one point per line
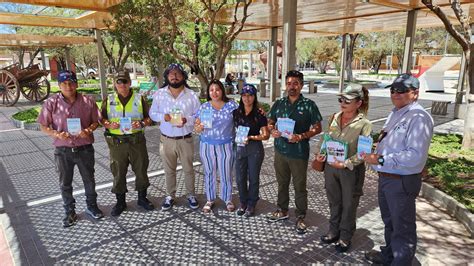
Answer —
271 20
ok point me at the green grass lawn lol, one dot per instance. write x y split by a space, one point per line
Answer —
451 169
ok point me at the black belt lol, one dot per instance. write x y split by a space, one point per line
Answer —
178 137
74 149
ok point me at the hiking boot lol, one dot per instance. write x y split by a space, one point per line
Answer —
70 219
167 204
301 226
94 212
277 216
120 206
143 201
193 203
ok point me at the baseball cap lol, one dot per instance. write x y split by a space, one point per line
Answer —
352 91
404 82
122 75
178 67
64 75
249 89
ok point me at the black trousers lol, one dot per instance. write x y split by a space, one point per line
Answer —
65 159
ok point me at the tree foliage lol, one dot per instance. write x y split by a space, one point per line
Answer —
186 30
319 50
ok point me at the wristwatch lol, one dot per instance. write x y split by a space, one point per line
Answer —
142 123
381 160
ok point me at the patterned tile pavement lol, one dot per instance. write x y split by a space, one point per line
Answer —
32 216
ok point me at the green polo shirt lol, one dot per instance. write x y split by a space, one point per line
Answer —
305 113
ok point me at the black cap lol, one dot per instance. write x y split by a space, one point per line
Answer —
405 82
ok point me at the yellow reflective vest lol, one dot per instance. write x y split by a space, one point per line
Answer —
133 109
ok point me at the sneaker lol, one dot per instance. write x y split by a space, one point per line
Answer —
301 226
277 216
193 203
167 204
70 219
94 212
241 210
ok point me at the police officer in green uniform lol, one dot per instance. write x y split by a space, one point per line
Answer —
125 115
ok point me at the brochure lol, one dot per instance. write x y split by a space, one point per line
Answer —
286 127
241 135
336 151
74 126
176 117
206 118
126 125
364 145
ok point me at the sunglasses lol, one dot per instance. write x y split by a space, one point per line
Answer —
344 100
398 91
121 81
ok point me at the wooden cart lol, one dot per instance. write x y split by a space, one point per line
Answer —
30 81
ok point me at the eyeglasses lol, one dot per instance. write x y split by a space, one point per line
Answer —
121 81
398 91
344 100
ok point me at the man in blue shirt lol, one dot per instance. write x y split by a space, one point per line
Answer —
292 152
399 159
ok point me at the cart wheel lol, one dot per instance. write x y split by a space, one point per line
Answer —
36 91
9 88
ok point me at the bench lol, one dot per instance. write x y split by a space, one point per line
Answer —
439 107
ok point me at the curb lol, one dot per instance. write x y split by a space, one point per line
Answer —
23 125
451 205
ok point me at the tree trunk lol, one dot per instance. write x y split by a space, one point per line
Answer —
350 57
204 83
468 141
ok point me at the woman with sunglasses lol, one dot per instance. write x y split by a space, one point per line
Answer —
344 179
215 124
249 157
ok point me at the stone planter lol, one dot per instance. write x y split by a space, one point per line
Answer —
451 205
22 124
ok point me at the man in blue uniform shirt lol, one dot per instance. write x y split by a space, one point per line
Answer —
399 159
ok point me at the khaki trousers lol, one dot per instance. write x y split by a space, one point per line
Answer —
170 151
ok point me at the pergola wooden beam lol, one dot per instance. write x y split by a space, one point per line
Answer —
27 40
93 20
102 5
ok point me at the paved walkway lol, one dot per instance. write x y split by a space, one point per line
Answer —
31 212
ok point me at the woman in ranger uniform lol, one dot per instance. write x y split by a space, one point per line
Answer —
344 179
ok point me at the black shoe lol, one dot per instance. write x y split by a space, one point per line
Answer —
120 206
328 238
241 210
94 212
342 246
249 212
144 202
301 226
70 219
374 256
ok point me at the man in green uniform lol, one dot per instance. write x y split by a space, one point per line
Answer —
125 115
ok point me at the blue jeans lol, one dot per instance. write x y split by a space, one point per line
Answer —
65 159
398 210
249 159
